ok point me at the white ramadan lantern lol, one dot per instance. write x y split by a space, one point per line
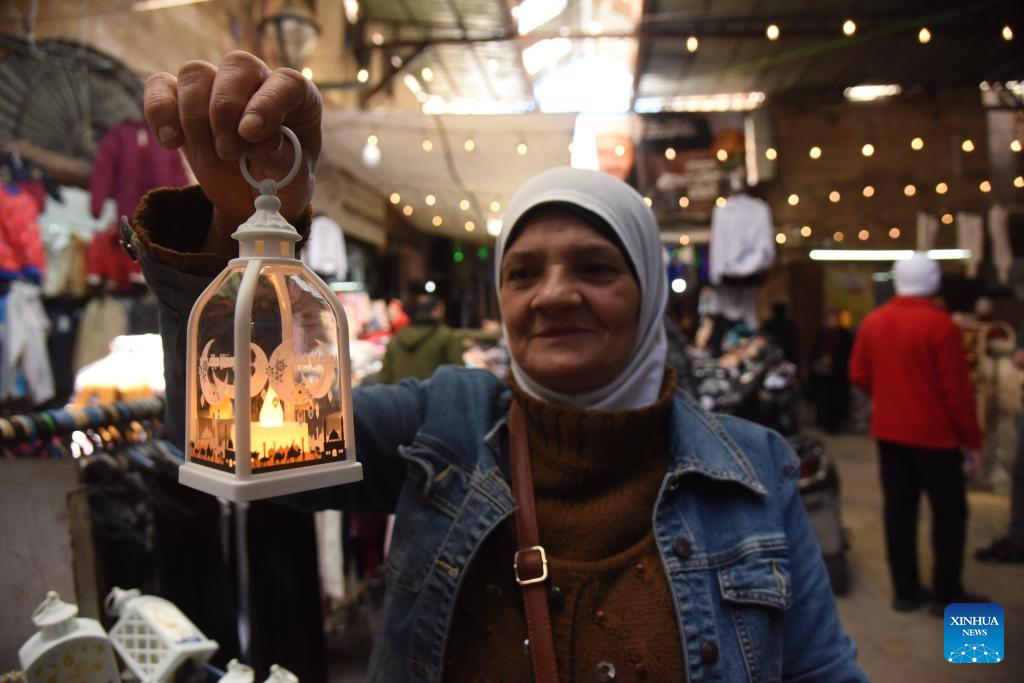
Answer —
269 397
67 648
153 637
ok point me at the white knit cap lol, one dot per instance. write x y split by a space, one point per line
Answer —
917 276
624 210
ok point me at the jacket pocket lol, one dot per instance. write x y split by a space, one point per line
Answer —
757 578
427 505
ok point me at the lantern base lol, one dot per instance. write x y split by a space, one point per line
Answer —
269 485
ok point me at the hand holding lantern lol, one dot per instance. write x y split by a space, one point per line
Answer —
268 380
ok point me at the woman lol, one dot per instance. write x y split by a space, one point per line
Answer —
677 542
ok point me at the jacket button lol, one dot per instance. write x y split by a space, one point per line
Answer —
682 548
605 672
709 652
556 598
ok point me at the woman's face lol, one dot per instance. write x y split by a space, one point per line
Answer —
569 302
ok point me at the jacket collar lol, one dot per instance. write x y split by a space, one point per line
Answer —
700 445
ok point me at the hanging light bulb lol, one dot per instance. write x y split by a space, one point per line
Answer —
427 73
620 150
684 202
867 150
863 235
469 145
770 154
649 202
849 27
684 240
670 153
780 238
815 152
437 221
377 39
407 210
941 188
362 75
495 207
464 205
371 152
793 199
522 149
470 226
430 200
307 73
868 191
894 232
838 236
722 155
910 190
1018 181
772 32
985 186
395 198
1015 146
917 144
806 231
834 197
924 35
692 44
720 202
967 146
427 145
1007 33
947 219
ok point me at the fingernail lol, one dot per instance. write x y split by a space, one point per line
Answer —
252 123
166 133
227 146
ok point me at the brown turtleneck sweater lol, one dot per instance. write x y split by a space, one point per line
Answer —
596 476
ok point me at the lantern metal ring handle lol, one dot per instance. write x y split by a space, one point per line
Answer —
269 185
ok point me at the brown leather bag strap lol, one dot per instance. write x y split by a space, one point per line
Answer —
531 562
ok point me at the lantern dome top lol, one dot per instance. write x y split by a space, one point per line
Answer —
266 233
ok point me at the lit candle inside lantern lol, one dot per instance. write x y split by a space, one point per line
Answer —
272 437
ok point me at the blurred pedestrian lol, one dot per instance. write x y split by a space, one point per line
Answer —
909 357
422 346
782 332
829 370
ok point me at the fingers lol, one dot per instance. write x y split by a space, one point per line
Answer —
195 85
239 76
160 104
285 97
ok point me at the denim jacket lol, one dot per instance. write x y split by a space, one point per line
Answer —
752 597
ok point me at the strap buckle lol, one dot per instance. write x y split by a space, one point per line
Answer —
543 564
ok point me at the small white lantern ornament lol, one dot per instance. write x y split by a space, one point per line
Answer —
269 396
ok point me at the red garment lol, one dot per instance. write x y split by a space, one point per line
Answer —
909 356
21 245
107 260
130 162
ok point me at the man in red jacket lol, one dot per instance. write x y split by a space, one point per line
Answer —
909 356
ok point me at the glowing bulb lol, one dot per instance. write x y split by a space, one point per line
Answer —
863 235
941 188
684 240
985 186
917 144
815 152
924 35
849 27
430 287
834 197
837 236
307 73
772 32
430 200
522 149
894 233
780 238
967 145
806 231
770 154
620 150
678 285
427 74
947 219
362 75
437 221
1007 33
910 190
722 155
470 226
395 198
407 210
469 145
684 202
692 44
720 202
495 207
648 201
670 153
372 140
427 145
377 38
1015 146
868 191
793 199
867 150
1018 181
464 205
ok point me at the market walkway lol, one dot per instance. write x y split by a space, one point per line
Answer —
909 647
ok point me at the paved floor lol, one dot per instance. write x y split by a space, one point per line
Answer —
909 647
895 647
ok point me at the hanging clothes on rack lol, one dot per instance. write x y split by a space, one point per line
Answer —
1002 249
324 253
971 236
24 346
21 245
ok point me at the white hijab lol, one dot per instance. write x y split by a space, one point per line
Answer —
624 210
